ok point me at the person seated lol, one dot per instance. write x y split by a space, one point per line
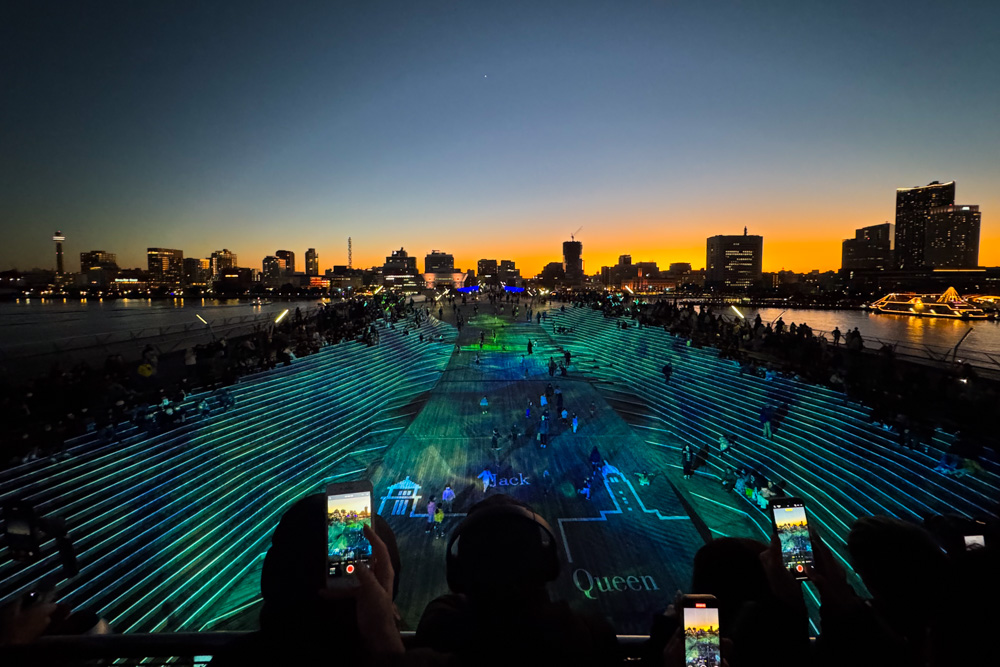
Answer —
301 619
728 479
764 495
741 483
948 464
494 605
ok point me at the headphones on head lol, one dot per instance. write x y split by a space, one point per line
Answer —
459 571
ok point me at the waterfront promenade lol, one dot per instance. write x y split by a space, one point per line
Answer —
171 527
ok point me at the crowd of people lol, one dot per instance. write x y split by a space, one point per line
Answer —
930 589
38 416
908 400
931 603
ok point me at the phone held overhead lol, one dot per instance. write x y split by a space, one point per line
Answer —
348 511
792 528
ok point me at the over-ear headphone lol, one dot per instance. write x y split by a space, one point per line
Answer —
544 569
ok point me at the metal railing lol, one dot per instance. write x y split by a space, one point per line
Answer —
180 648
94 348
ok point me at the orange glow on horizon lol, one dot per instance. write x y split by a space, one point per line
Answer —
790 241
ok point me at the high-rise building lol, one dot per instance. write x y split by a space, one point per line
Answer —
680 268
734 261
439 262
573 262
870 249
58 237
273 268
400 271
953 237
312 262
235 280
489 271
222 260
98 268
508 273
98 259
289 258
197 271
913 207
165 266
440 271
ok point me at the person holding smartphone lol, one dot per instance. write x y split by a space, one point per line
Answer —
352 621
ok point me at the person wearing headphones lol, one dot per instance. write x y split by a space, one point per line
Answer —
499 562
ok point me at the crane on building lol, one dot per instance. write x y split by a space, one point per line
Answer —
350 262
572 237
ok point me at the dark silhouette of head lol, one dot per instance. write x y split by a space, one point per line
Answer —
730 569
480 548
900 562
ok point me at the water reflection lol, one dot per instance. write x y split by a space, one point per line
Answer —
915 331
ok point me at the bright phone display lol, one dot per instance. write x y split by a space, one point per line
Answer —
701 631
973 542
348 511
793 533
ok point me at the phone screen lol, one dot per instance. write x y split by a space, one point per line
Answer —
347 514
21 538
793 533
974 542
701 636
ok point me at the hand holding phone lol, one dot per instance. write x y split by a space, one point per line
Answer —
348 512
792 528
700 623
376 613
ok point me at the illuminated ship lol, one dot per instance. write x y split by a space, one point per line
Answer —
948 304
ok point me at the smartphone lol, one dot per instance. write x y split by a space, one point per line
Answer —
348 511
973 542
700 617
792 527
21 531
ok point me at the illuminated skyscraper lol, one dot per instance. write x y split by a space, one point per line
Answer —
913 208
871 248
488 271
400 270
439 262
59 238
97 259
165 265
953 237
197 271
509 274
312 262
221 261
734 261
273 268
289 258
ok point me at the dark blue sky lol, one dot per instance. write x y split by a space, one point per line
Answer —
487 128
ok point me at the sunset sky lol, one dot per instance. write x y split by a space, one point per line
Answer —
487 129
701 619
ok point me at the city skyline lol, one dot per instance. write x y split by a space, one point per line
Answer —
488 130
287 257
